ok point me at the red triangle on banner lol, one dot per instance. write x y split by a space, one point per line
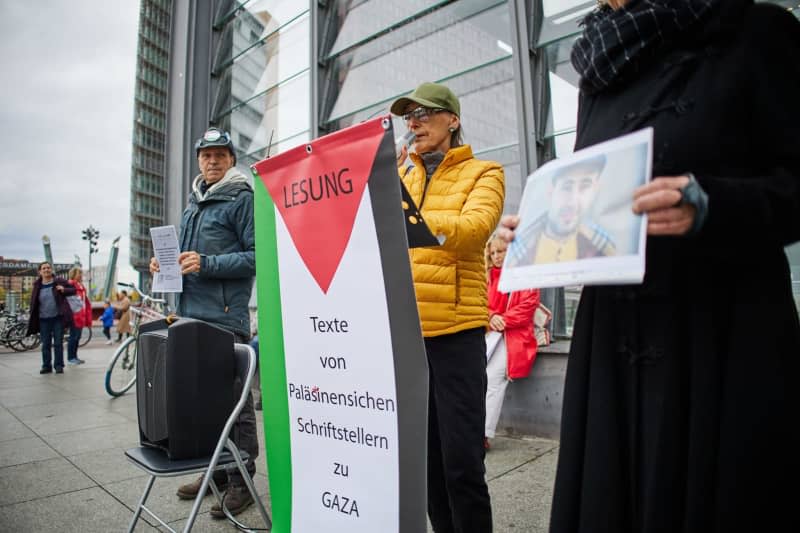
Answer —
317 189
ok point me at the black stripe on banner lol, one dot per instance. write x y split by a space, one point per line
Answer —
410 361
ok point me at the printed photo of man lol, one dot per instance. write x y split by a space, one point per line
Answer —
564 232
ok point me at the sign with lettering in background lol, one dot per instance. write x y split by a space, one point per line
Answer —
342 359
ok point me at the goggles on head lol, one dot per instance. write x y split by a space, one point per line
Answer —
214 137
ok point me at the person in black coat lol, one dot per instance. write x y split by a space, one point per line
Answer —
680 410
50 315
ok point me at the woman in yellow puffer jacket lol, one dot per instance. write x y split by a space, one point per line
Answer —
461 199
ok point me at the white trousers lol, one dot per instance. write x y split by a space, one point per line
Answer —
495 387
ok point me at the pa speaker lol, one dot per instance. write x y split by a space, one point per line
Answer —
185 376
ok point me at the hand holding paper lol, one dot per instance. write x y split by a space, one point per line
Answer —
189 262
661 201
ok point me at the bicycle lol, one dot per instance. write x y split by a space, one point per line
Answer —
8 322
121 372
14 333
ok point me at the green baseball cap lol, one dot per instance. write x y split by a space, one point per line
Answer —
433 95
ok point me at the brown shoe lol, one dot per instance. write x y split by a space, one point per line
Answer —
236 500
190 490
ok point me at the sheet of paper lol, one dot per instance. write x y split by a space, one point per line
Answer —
492 338
165 246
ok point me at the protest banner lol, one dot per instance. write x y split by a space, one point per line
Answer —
343 367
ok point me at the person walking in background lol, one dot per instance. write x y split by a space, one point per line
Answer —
81 309
124 322
511 317
218 264
49 316
460 198
108 320
674 419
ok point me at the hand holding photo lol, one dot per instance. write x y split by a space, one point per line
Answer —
577 225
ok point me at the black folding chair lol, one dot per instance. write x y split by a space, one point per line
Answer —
156 462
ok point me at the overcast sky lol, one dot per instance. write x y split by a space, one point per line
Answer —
66 108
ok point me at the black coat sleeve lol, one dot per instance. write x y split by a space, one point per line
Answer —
766 208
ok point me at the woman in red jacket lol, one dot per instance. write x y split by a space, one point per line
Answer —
81 315
510 315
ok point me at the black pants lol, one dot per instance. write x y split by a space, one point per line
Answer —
458 498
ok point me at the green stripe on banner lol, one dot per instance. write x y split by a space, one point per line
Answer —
275 398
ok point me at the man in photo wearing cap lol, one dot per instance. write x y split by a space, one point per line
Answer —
460 198
564 233
218 264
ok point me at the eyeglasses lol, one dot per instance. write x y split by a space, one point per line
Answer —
421 114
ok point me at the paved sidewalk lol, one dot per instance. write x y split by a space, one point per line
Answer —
62 466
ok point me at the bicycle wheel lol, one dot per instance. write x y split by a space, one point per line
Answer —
86 336
24 341
34 341
121 373
8 339
17 338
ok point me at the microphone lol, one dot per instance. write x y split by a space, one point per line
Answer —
406 140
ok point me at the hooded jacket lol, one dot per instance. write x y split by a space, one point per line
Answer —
218 224
461 204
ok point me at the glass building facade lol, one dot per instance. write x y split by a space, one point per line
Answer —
149 128
276 73
261 61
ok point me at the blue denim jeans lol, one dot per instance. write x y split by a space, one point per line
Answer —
72 343
51 331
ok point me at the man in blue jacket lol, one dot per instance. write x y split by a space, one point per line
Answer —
218 264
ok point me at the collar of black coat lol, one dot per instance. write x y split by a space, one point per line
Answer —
612 49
